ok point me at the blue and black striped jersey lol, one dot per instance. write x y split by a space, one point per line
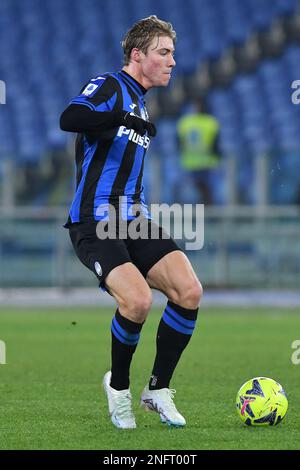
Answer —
110 167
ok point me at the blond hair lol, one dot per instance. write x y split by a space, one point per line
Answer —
141 35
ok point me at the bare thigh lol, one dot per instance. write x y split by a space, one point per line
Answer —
175 277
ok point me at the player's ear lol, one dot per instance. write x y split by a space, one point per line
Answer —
136 54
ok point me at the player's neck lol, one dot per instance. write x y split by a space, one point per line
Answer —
137 74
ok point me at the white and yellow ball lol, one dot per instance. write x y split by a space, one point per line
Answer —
261 402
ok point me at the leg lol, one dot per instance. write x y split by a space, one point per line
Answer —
167 269
174 276
204 192
131 291
110 261
133 297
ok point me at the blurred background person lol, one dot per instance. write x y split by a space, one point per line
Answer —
198 137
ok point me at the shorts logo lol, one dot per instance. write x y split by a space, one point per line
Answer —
89 89
98 268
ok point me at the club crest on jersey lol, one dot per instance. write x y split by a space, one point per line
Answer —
89 89
136 138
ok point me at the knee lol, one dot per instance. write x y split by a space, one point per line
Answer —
189 296
197 292
137 306
193 294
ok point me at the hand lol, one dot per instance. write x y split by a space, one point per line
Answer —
133 121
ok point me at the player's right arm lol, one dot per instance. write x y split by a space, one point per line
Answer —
94 109
98 110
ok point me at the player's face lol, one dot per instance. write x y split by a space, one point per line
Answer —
158 63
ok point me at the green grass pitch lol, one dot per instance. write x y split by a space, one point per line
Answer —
50 386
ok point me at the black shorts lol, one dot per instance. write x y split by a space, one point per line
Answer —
103 255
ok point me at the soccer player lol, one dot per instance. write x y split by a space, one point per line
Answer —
114 133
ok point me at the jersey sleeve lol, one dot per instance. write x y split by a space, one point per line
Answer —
99 94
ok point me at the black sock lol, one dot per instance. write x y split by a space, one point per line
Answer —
173 334
125 337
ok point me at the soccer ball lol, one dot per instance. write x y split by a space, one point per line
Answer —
261 401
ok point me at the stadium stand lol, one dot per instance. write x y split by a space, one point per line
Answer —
241 56
54 47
